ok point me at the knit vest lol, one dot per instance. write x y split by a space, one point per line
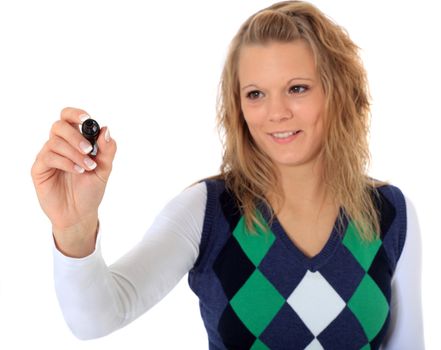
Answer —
259 291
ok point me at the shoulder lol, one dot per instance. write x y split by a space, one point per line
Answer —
215 184
391 205
221 216
392 209
192 197
219 197
393 194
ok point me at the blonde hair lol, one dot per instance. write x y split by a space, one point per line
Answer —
248 172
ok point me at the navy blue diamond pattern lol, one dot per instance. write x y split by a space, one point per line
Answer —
336 272
295 334
334 337
286 282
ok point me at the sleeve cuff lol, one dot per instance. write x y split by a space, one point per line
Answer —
61 259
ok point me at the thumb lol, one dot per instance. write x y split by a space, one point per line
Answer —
106 154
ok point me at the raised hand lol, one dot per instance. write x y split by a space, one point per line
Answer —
70 184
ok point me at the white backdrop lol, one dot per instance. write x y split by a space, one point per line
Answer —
150 70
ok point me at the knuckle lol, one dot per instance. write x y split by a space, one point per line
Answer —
52 143
56 127
36 166
46 147
55 143
65 111
71 112
48 157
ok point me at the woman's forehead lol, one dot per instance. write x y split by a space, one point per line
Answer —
276 60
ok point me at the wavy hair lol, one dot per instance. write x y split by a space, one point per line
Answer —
248 172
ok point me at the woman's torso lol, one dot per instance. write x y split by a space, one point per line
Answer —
263 292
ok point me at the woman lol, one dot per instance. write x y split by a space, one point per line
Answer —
292 246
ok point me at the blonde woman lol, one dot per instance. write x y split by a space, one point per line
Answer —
292 245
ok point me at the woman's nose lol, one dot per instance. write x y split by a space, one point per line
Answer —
279 109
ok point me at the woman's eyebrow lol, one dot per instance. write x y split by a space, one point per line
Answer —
289 81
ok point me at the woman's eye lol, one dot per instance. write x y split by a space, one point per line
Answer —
255 94
298 89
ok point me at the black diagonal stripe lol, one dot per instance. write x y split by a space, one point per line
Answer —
232 267
381 272
229 208
386 210
234 333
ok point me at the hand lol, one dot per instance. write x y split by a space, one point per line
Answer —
70 184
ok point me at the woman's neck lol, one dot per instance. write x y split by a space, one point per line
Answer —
302 187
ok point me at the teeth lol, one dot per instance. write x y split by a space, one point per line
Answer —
283 135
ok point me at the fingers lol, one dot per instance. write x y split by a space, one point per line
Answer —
62 129
60 147
58 154
67 149
106 153
48 160
74 115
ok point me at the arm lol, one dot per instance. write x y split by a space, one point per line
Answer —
406 324
96 299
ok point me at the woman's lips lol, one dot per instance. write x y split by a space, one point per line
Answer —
283 137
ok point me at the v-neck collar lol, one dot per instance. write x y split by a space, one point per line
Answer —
315 262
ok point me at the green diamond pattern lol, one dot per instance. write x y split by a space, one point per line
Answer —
256 303
257 245
258 345
366 347
366 298
363 251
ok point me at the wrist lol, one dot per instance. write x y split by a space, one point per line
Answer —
78 240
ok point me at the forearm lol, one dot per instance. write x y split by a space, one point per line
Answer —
86 292
97 299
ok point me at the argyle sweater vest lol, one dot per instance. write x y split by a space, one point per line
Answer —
259 291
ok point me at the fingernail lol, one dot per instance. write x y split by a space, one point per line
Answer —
90 163
86 147
107 135
78 169
84 117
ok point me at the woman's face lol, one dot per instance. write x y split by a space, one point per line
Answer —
282 101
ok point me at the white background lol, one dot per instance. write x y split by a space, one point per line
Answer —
150 70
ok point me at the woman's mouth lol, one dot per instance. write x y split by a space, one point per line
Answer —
284 136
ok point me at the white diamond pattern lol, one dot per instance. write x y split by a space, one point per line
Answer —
314 345
316 302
